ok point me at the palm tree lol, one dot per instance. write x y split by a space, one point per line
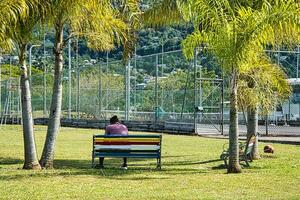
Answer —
235 33
261 87
103 23
19 33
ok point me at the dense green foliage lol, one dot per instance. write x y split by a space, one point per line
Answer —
14 71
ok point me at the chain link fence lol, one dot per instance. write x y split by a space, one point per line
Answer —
156 88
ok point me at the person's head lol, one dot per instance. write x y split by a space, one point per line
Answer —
114 119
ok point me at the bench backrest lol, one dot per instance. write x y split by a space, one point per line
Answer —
127 146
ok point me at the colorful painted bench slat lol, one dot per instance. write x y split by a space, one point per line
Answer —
131 146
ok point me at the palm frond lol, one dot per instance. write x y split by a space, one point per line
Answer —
166 12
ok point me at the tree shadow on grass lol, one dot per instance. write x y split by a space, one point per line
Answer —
180 156
136 171
10 161
185 162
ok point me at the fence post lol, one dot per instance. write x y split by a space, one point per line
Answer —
156 91
106 86
0 87
100 90
267 125
298 61
69 80
195 90
135 90
78 82
45 91
222 106
19 104
127 91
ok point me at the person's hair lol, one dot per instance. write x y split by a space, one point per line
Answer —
114 119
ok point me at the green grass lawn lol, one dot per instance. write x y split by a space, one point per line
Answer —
190 170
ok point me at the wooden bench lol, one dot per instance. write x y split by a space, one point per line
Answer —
245 151
129 146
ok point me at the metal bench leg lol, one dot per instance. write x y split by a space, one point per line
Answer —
158 166
225 161
247 163
93 162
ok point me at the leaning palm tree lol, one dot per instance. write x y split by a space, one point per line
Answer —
19 33
262 86
234 31
103 24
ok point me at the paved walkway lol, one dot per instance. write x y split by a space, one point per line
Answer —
271 139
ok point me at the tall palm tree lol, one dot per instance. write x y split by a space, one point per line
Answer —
19 33
103 24
235 32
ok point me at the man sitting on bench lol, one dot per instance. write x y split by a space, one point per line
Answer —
115 128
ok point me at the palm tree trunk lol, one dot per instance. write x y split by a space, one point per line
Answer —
31 160
252 115
234 165
55 109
